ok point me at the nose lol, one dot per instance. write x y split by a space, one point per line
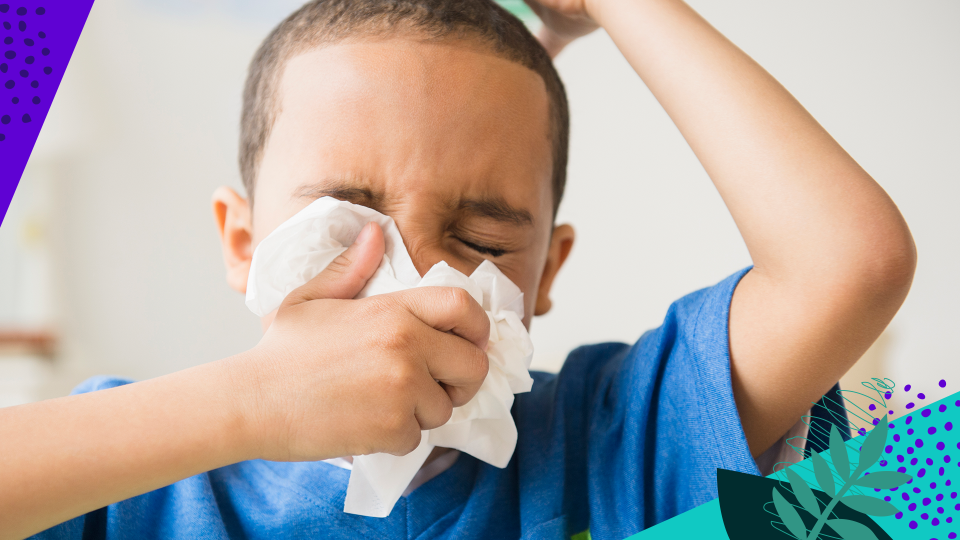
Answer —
428 245
426 252
424 223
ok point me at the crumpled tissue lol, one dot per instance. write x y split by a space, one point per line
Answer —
304 245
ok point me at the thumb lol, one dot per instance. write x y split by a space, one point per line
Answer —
346 276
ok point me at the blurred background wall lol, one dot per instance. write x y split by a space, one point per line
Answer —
110 262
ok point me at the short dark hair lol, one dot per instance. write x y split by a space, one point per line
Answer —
329 21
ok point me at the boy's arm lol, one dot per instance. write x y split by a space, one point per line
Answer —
833 257
330 378
68 456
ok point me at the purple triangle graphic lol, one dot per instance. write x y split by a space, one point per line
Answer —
37 38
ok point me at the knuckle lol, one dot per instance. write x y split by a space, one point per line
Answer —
444 413
459 397
459 298
480 364
396 338
439 412
438 417
401 379
410 442
403 436
339 266
372 309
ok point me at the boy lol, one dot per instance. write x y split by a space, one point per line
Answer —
445 115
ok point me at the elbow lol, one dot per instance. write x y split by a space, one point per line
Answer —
901 265
885 269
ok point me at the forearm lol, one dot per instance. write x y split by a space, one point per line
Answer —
64 457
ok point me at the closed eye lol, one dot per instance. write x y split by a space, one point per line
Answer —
491 251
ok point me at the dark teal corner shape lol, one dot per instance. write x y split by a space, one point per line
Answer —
748 511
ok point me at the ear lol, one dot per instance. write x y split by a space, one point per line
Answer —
232 213
561 242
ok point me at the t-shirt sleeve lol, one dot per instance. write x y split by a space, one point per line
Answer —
659 416
686 403
85 527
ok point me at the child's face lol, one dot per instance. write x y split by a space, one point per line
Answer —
449 140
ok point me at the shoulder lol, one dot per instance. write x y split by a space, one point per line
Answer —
707 305
582 369
619 418
695 328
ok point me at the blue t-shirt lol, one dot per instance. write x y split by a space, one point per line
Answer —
624 437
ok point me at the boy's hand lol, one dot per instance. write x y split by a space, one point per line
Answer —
338 377
563 22
330 378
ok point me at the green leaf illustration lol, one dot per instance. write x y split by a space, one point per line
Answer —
822 471
884 480
868 505
872 447
803 493
851 530
789 515
838 452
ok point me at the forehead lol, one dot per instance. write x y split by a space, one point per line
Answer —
404 117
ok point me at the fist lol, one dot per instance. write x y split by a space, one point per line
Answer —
337 377
563 22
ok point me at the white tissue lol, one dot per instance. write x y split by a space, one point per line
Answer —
304 245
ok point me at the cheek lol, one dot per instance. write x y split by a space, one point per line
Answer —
526 275
530 300
532 276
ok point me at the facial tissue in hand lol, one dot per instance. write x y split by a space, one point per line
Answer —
303 246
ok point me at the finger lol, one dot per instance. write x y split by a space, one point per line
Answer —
404 440
551 41
434 406
457 364
347 274
448 309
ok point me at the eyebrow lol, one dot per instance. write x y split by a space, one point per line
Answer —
497 209
339 190
494 208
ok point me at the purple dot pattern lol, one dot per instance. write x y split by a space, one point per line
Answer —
927 450
19 51
37 39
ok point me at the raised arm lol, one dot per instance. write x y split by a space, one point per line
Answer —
833 258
